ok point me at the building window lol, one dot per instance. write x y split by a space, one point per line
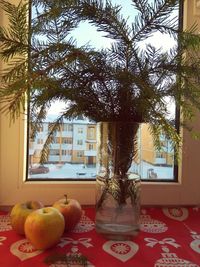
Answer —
54 152
80 130
91 133
91 146
39 141
37 152
57 140
66 152
80 154
66 140
160 154
66 127
40 129
80 142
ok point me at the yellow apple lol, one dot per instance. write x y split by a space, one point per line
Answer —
71 210
44 227
20 212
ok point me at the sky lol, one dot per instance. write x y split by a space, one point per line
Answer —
87 32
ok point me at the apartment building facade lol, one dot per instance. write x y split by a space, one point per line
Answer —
76 142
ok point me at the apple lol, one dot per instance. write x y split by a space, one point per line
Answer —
71 210
44 227
20 212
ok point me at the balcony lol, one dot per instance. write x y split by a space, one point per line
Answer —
160 161
90 153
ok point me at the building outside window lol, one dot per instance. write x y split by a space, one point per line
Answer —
67 140
80 142
40 129
66 152
39 141
91 146
54 152
80 130
67 127
80 154
57 140
91 132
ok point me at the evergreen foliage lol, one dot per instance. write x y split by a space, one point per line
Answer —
127 81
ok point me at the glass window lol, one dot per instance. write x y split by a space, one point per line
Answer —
148 157
91 133
54 152
80 130
40 129
91 146
80 142
67 127
80 154
39 141
67 140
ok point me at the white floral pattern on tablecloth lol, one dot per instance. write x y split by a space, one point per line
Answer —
178 214
24 250
121 250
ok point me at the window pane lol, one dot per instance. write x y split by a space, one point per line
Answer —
73 152
71 157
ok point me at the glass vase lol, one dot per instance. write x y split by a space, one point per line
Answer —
118 181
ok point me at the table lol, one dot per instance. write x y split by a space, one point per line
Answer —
169 237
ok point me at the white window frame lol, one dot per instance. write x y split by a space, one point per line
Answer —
14 188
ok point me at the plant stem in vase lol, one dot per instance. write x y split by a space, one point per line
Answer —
118 186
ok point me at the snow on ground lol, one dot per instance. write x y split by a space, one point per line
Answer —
80 171
162 172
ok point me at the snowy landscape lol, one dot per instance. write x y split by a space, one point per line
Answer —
81 171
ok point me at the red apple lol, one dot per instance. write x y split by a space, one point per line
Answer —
71 210
20 212
44 227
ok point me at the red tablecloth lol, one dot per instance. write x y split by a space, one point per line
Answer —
169 237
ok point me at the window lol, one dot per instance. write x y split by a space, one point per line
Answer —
91 133
80 142
56 140
39 141
40 129
37 152
54 152
66 152
159 154
91 146
80 130
66 140
80 154
13 161
146 155
67 127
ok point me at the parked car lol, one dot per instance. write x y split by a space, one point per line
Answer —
38 170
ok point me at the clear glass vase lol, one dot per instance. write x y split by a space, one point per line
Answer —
117 182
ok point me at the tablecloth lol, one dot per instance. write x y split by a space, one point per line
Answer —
169 237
